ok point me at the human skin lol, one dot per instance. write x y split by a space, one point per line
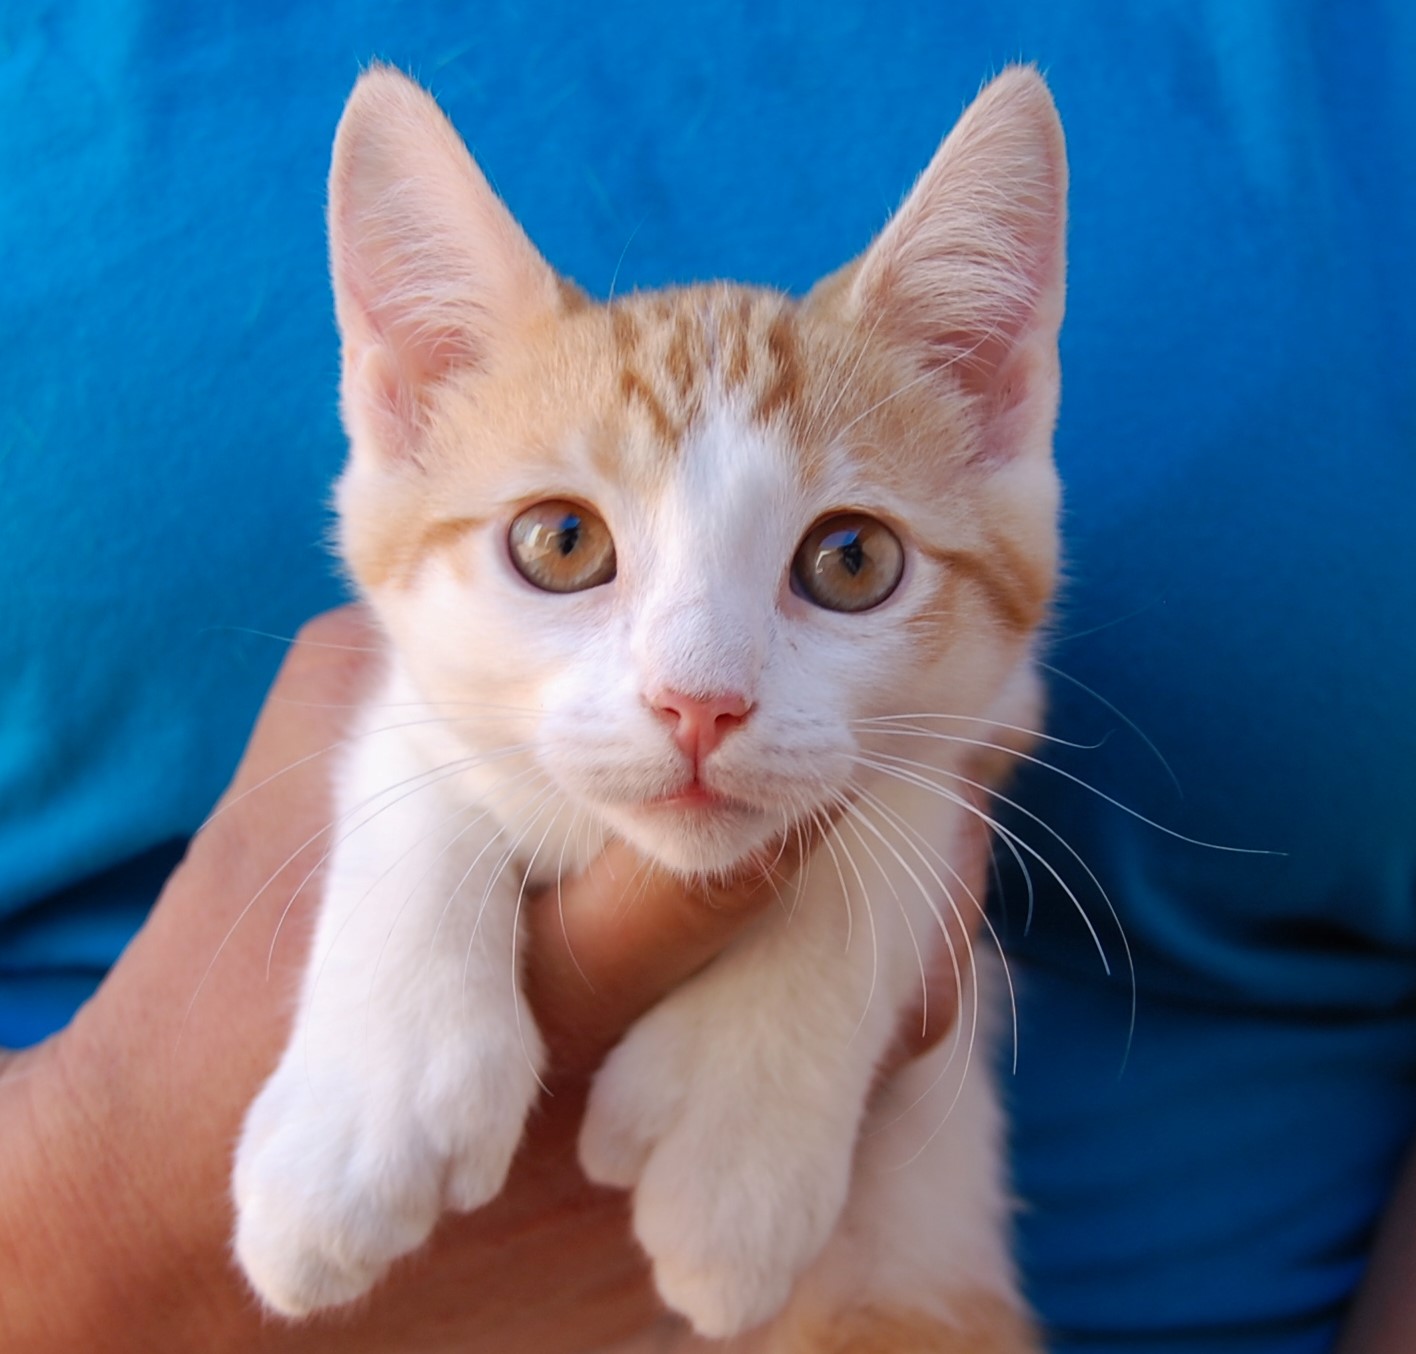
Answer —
1383 1316
115 1214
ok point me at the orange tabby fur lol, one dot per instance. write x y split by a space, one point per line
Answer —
620 385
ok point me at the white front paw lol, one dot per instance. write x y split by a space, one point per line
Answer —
731 1216
325 1202
740 1180
338 1175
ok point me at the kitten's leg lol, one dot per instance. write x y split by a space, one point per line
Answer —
922 1258
735 1104
408 1075
922 1261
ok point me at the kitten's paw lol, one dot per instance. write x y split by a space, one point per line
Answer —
326 1198
731 1216
739 1179
635 1099
334 1184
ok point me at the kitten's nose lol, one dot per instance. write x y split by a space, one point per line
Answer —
700 723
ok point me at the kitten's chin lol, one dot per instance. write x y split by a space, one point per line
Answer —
693 838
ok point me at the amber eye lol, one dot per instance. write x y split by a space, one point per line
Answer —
848 562
562 547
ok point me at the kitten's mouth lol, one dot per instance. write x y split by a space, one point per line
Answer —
697 798
696 829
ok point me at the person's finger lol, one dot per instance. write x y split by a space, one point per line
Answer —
232 924
607 945
268 838
310 706
144 1090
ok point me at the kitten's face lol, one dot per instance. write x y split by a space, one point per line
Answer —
680 548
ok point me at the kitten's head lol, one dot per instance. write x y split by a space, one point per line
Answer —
686 546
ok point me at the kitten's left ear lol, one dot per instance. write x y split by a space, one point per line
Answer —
969 274
431 272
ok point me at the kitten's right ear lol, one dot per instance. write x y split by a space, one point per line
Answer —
431 272
968 275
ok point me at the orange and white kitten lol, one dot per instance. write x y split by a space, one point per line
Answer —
692 569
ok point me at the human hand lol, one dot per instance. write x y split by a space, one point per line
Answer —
114 1203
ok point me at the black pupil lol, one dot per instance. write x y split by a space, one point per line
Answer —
852 553
569 536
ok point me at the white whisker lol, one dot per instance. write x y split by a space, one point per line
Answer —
915 777
857 816
849 812
843 387
1116 803
921 845
1124 718
289 639
525 774
447 771
886 399
515 947
578 818
457 767
824 830
874 724
347 741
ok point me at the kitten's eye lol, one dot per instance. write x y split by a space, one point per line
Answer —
562 547
848 562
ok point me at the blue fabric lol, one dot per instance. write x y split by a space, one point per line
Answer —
1238 440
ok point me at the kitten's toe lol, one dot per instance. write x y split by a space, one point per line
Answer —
292 1275
615 1142
634 1101
720 1301
473 1106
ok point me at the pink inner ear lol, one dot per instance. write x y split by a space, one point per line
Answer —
381 410
1020 400
967 305
387 296
969 272
994 358
976 362
430 271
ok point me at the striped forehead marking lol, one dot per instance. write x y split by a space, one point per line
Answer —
674 350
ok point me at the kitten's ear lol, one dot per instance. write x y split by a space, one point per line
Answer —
970 271
430 270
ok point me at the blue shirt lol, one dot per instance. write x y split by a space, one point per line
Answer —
1238 441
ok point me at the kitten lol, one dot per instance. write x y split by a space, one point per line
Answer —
691 569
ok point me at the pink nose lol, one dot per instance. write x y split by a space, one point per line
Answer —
700 723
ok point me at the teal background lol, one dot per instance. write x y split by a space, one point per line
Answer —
1238 441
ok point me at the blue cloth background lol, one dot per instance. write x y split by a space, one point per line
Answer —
1238 440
